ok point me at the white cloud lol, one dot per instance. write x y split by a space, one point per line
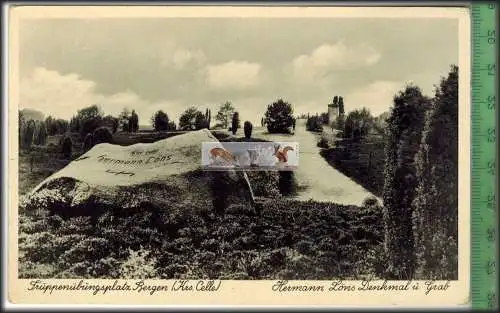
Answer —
377 96
179 57
327 58
63 95
233 74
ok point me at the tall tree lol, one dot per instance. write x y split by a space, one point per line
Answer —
435 214
235 123
225 113
133 122
405 126
124 120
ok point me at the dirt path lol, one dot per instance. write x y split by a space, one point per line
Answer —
319 180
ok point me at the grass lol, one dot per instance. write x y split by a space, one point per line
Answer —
363 162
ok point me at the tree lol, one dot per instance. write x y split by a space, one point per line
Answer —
160 121
51 125
235 123
123 120
247 128
191 119
171 126
340 103
102 135
67 147
357 124
111 122
314 123
133 122
89 119
405 125
62 126
325 120
435 213
279 117
208 118
29 133
225 112
339 122
41 134
74 124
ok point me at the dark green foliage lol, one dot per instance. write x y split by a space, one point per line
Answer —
102 135
279 117
111 122
29 133
123 120
314 124
56 126
341 105
405 125
324 118
192 119
133 122
357 124
225 112
41 134
88 143
74 125
235 122
208 118
89 119
323 142
435 214
247 128
160 121
67 147
339 123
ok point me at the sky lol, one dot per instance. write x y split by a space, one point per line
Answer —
170 64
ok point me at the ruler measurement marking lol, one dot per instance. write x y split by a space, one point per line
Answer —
483 137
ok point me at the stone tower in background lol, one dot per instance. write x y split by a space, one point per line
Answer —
335 108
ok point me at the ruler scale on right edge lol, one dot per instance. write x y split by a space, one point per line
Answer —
484 231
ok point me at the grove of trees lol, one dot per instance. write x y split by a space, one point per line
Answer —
421 177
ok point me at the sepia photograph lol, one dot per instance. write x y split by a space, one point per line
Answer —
238 148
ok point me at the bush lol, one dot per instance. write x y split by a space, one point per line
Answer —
279 117
88 143
247 128
102 135
314 124
67 147
323 143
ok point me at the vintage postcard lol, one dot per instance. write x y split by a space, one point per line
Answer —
231 155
